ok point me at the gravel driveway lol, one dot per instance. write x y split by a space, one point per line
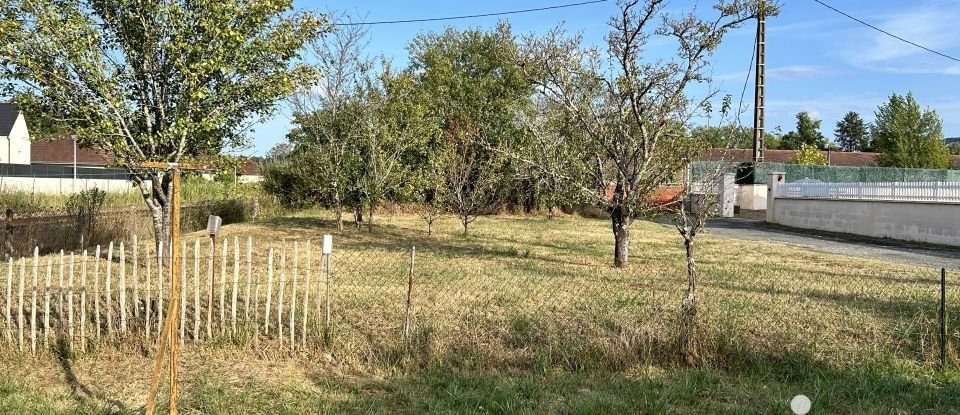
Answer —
908 253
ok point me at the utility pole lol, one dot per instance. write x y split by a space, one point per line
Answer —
758 95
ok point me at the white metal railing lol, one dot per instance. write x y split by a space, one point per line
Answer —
906 191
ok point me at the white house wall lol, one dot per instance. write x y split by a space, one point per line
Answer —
15 149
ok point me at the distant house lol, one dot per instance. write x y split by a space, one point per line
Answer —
14 137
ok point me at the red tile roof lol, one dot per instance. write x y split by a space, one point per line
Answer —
61 152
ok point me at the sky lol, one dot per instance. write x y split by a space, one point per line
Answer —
817 60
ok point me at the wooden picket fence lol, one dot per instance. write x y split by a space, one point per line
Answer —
78 300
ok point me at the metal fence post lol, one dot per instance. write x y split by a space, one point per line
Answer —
327 250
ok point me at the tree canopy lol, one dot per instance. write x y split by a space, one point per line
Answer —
852 133
906 136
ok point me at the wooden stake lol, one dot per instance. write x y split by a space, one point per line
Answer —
20 315
136 281
306 297
175 260
196 289
46 305
7 309
70 301
96 290
60 292
160 320
147 298
246 295
283 282
182 322
236 279
123 290
213 254
293 294
33 301
83 302
223 286
406 319
108 292
266 311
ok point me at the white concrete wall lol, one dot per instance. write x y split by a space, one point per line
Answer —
931 222
752 196
15 149
62 186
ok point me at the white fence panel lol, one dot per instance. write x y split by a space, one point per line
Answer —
894 191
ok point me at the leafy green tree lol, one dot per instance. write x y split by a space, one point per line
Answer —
627 111
149 80
905 136
725 136
810 155
807 132
474 89
852 133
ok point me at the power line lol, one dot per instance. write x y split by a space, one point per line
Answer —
435 19
887 33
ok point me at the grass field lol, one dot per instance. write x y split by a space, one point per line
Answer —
525 315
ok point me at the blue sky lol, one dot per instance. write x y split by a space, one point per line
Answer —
817 60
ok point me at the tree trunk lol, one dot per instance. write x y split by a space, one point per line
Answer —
550 212
358 215
158 198
370 218
466 222
338 207
430 225
690 330
621 236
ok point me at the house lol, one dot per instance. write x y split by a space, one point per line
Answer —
14 136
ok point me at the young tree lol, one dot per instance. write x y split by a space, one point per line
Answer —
628 114
851 133
811 156
330 113
549 133
152 80
905 136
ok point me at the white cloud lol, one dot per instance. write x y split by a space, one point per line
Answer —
933 25
783 73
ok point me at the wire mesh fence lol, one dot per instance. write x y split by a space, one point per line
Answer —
379 303
760 173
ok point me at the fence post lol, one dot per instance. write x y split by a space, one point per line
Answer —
236 279
136 281
83 302
160 253
406 321
943 318
9 329
60 291
183 290
246 294
266 311
196 289
20 315
107 290
283 281
293 294
46 304
33 302
70 301
147 298
327 251
210 265
223 285
123 290
96 290
306 295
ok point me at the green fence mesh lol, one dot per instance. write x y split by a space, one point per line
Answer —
831 174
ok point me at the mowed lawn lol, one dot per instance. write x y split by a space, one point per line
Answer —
525 315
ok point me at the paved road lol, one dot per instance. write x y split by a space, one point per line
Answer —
903 252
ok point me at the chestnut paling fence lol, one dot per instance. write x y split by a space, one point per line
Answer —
374 300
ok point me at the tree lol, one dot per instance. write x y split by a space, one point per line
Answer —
907 137
725 136
811 156
628 113
474 88
851 133
151 80
808 132
330 115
